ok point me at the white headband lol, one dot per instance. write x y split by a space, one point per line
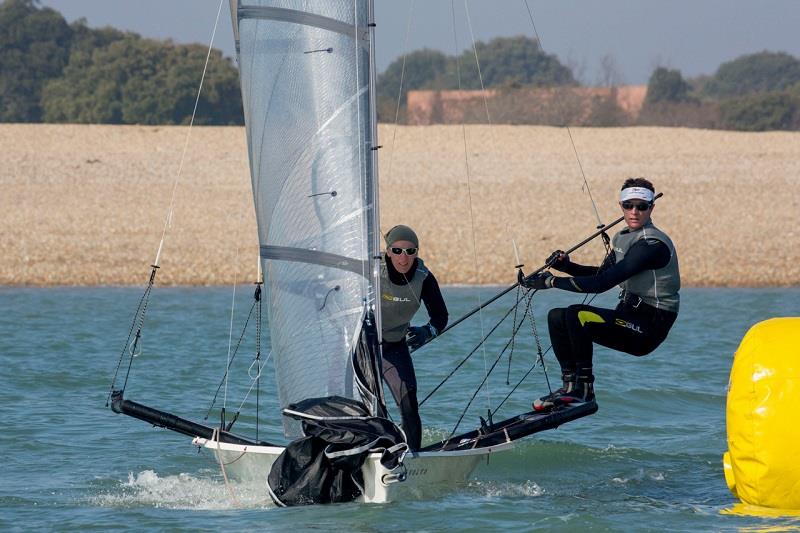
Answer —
636 193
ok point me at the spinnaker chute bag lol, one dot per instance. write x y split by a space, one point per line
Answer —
324 465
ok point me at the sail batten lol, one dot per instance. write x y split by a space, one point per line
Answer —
305 74
303 255
298 17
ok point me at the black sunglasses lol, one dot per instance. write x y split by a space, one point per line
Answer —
639 206
408 251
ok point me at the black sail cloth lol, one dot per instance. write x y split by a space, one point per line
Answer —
324 466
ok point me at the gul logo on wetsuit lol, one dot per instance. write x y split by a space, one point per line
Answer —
626 324
390 298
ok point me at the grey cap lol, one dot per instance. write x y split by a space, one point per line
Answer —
401 233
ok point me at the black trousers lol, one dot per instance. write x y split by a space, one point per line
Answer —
398 373
634 330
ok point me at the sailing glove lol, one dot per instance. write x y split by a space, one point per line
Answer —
558 260
419 335
542 280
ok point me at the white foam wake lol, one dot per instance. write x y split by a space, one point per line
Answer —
183 491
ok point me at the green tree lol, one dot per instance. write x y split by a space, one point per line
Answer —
510 62
505 62
143 81
761 112
86 39
34 48
667 85
761 72
419 70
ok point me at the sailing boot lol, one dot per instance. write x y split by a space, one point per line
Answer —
568 380
579 390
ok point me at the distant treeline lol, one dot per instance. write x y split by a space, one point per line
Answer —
52 71
755 92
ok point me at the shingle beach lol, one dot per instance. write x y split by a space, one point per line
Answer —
87 204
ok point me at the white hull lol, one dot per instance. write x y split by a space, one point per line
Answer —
428 473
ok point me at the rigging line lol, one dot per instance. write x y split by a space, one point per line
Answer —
254 383
485 379
511 354
524 377
254 380
397 117
540 269
409 289
215 437
477 63
400 89
469 187
535 333
230 328
539 359
224 379
480 343
168 220
138 316
540 355
569 131
137 337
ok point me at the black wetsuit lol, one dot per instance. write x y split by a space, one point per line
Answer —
633 327
398 369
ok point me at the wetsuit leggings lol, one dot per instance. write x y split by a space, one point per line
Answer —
637 331
398 373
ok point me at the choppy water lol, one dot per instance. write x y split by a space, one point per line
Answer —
650 459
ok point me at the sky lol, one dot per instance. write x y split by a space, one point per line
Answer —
630 37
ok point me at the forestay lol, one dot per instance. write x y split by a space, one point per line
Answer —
305 73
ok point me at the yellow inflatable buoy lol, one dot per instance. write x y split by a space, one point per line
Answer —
762 464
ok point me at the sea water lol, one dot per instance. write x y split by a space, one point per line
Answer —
649 460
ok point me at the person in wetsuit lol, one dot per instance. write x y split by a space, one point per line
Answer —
405 284
644 264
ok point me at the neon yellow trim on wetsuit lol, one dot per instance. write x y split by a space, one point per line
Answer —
588 316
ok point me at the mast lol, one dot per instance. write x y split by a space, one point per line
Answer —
375 218
374 226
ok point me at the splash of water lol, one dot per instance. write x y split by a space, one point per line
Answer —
183 491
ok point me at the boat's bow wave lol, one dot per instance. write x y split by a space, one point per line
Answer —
182 491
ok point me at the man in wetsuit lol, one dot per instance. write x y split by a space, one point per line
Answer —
644 264
405 283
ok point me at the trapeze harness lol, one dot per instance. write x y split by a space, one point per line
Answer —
644 264
401 295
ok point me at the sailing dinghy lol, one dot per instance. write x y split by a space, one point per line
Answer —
308 88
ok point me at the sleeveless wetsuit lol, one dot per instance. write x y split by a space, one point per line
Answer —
401 296
645 266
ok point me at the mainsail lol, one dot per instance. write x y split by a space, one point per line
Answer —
306 75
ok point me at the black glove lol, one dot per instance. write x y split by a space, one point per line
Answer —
419 335
542 280
557 260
